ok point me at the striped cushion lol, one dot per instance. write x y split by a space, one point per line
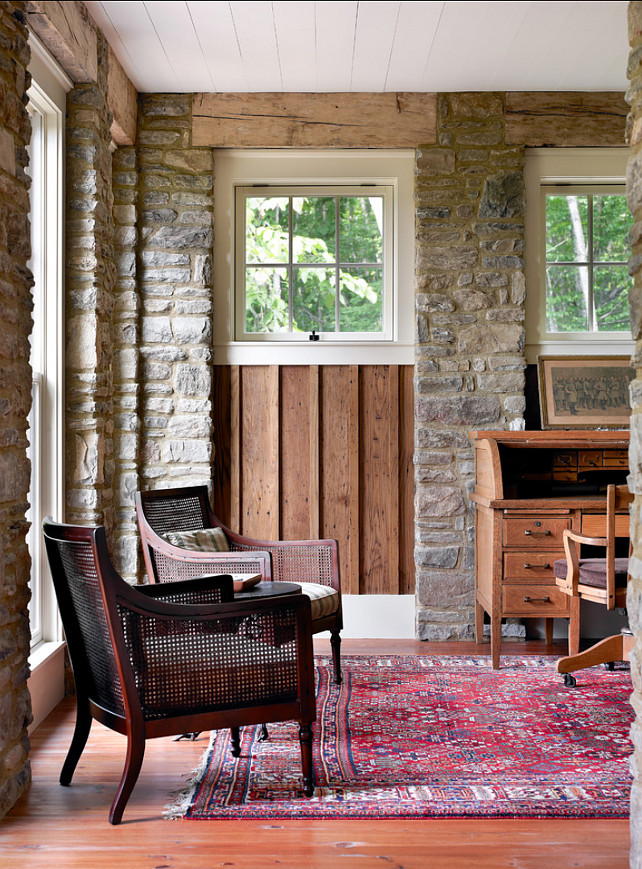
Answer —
202 540
324 599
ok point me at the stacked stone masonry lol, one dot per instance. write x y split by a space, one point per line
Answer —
634 593
15 403
469 359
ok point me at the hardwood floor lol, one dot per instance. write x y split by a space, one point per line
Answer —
67 828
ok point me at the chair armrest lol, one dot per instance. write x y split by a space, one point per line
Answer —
296 560
200 590
572 540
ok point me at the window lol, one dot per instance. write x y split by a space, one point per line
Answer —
587 279
577 249
313 257
46 107
314 262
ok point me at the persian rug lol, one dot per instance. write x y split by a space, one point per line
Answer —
434 737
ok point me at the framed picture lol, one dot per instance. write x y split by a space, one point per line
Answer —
585 391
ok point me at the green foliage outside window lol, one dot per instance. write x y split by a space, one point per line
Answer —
314 263
587 280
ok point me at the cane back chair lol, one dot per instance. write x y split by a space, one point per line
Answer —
163 516
601 580
159 660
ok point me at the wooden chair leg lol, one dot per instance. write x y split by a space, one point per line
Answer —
574 626
610 649
548 631
305 738
133 763
78 742
335 643
235 734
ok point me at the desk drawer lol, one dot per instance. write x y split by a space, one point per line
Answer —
594 525
616 459
531 567
540 533
534 600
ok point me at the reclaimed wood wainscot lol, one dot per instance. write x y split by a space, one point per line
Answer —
529 487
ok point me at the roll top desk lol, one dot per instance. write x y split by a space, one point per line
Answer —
529 487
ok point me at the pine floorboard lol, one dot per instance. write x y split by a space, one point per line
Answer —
67 828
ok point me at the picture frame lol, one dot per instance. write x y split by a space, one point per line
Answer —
585 392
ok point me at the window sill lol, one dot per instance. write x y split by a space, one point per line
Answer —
46 682
314 353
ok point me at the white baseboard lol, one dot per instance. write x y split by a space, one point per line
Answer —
46 683
377 616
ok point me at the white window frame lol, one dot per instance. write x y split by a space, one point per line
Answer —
47 96
603 168
246 168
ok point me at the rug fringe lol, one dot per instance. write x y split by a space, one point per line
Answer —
181 799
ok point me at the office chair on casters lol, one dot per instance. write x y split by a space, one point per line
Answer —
601 580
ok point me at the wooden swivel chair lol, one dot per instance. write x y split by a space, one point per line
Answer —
157 660
601 580
166 513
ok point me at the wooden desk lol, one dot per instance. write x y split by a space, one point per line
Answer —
529 487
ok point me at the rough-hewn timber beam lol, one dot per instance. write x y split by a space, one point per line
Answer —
565 119
297 120
122 99
68 33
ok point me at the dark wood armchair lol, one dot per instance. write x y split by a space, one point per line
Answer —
601 580
310 563
159 660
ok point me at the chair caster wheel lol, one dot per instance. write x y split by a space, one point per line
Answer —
569 680
609 665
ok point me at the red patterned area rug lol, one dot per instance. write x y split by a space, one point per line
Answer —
434 737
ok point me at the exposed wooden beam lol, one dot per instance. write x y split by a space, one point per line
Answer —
298 120
566 119
122 99
67 31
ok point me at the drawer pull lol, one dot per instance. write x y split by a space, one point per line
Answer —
545 566
529 599
530 533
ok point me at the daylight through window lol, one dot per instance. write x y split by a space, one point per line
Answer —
314 262
587 279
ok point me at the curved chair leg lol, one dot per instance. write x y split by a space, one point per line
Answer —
133 763
235 733
335 643
78 742
305 738
263 735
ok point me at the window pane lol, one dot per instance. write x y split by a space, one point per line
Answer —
361 229
611 223
313 304
566 299
266 229
314 229
361 300
611 294
567 228
266 300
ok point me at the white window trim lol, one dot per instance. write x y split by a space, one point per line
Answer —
549 166
233 168
49 89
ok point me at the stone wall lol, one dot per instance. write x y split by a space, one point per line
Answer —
15 401
90 275
469 362
634 594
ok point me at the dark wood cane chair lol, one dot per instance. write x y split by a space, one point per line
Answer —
601 580
167 519
159 660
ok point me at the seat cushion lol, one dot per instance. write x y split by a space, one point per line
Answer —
593 571
201 540
324 600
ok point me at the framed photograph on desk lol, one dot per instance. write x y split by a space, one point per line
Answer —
585 392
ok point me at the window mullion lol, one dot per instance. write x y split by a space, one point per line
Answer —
591 299
290 264
337 264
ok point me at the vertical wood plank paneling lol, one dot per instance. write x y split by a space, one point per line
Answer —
315 494
322 451
259 414
406 481
294 436
379 531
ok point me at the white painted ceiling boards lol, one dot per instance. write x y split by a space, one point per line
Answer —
285 46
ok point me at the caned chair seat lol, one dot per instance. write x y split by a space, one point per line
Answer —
593 571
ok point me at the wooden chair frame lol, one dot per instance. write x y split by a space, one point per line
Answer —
280 560
615 648
179 613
